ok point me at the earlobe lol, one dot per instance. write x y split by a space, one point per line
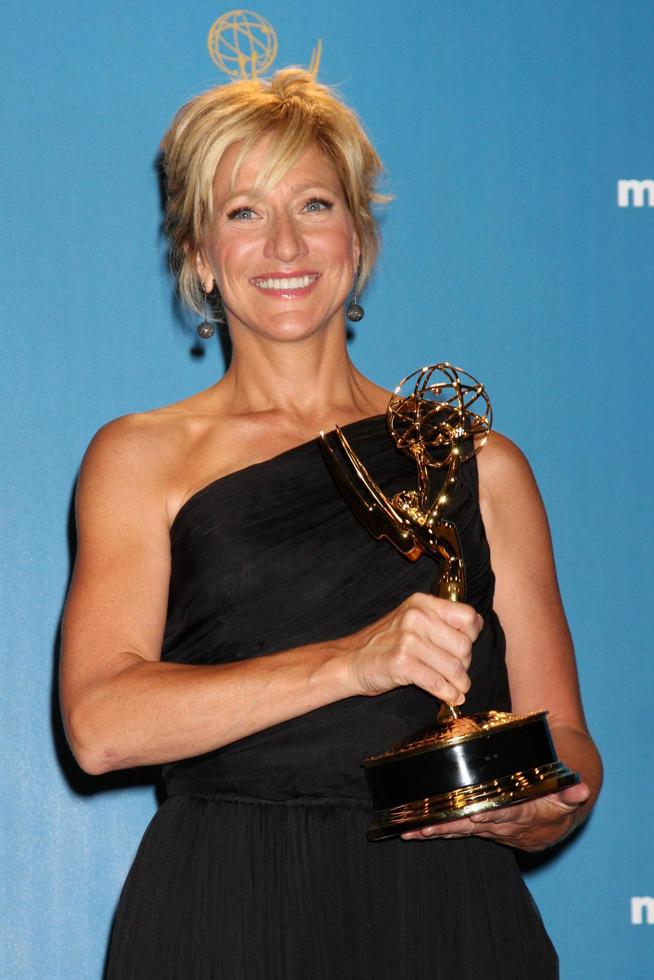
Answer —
205 274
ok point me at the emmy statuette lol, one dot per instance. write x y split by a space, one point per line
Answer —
440 416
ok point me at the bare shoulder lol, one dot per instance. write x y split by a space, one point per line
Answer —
159 430
158 456
131 445
117 600
501 459
507 487
130 460
122 438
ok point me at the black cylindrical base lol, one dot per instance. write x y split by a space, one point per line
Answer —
432 779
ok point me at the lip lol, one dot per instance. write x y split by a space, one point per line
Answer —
287 291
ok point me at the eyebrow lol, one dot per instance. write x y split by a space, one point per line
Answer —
294 189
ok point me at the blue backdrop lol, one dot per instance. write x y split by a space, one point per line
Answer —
505 128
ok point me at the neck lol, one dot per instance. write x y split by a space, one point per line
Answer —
312 379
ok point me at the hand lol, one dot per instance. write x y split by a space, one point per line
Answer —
426 641
530 826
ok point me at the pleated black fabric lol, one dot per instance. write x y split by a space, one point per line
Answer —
257 866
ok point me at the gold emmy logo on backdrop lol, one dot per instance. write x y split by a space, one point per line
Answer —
243 44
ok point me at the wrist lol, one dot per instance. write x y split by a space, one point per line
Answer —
336 670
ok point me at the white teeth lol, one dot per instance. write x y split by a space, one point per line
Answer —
295 282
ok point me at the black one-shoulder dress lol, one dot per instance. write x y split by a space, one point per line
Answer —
257 867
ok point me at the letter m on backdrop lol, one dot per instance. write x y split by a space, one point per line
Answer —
642 910
634 192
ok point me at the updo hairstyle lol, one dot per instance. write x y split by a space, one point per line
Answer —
291 109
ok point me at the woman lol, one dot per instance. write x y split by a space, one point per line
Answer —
229 617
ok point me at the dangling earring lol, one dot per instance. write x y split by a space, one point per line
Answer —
206 329
355 312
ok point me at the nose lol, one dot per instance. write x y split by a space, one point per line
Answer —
285 241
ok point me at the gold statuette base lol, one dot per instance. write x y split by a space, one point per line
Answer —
467 800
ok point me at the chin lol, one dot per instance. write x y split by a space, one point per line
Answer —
293 325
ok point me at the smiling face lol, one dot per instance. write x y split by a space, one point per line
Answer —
283 259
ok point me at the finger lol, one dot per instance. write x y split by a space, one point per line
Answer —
447 829
515 813
447 667
419 835
448 649
453 673
462 617
422 658
459 615
443 637
546 809
424 675
566 800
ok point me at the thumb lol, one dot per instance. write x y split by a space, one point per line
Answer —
575 795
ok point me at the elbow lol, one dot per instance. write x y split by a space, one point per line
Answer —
92 765
97 763
99 734
92 750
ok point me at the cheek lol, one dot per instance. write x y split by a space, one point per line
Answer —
341 247
230 260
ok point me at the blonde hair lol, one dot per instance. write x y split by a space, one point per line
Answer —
294 110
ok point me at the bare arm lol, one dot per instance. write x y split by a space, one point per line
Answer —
539 653
123 707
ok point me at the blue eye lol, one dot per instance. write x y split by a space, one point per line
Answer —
241 214
317 204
